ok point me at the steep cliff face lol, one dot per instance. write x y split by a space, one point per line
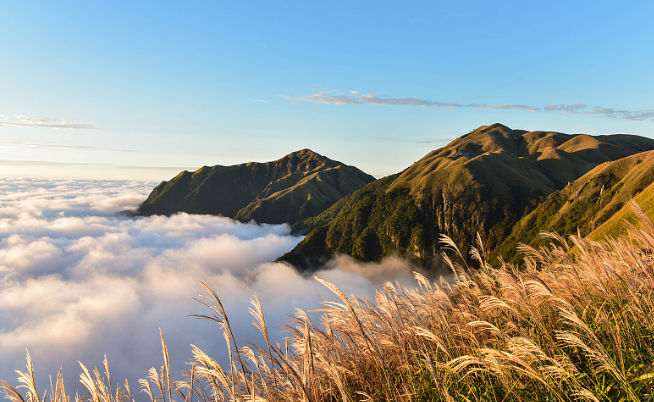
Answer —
295 187
482 182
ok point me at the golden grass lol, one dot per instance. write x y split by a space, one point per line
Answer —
558 328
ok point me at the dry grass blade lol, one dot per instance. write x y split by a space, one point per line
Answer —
10 392
166 368
28 381
425 333
641 216
449 243
216 305
350 308
489 303
87 380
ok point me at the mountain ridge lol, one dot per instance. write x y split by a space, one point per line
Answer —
496 181
294 187
483 181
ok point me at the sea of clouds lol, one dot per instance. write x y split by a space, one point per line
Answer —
79 280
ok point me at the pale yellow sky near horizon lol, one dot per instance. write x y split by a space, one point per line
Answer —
86 171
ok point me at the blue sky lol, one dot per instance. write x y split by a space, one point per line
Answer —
140 90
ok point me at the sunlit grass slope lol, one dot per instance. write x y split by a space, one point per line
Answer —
483 182
586 204
561 328
625 217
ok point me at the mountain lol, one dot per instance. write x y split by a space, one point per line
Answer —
594 205
293 188
482 182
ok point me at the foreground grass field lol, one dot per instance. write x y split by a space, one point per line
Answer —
560 327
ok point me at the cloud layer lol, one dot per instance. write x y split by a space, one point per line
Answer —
78 280
44 122
357 98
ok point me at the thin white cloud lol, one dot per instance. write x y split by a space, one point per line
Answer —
13 162
177 168
374 99
511 107
44 122
638 115
328 97
78 281
334 97
30 144
572 109
435 142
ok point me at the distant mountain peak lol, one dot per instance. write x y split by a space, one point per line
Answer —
305 153
494 126
297 186
304 160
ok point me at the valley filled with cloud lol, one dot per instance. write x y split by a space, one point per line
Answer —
79 279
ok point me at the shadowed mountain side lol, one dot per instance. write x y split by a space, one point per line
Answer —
295 187
594 204
484 181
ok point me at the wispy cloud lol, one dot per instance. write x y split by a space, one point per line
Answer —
175 168
576 108
24 162
435 142
44 122
29 144
508 107
327 97
638 115
334 97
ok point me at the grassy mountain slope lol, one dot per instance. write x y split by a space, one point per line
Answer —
589 202
481 182
620 221
295 187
